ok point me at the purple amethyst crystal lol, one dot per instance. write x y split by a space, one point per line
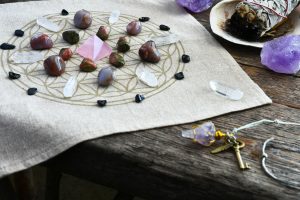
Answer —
282 55
195 6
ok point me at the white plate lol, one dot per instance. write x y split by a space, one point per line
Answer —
225 9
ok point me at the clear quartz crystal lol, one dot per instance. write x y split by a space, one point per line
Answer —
70 87
226 91
146 76
44 22
164 40
26 57
114 16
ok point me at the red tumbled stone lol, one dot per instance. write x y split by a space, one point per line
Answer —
40 41
65 53
54 65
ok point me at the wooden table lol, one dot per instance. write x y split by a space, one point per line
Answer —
160 164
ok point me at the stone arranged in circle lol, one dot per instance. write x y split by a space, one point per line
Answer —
83 19
149 53
32 91
105 76
6 46
103 32
64 12
164 27
179 76
101 103
13 75
19 33
72 37
123 44
144 19
41 41
116 60
87 65
65 53
185 58
139 98
54 65
134 28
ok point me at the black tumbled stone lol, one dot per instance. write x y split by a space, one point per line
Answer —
19 33
144 19
179 76
32 91
139 98
13 76
101 103
64 12
164 27
6 46
185 58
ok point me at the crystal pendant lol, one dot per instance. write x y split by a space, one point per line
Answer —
94 48
26 57
114 16
203 134
164 40
226 91
146 76
70 87
44 22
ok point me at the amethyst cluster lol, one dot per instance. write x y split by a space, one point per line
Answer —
195 6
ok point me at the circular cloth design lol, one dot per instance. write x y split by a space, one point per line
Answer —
126 84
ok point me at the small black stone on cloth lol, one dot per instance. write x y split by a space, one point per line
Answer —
32 91
164 27
19 33
179 76
144 19
13 76
6 46
185 58
64 12
101 103
139 98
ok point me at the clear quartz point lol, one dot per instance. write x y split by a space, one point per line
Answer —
26 57
44 22
114 16
226 91
164 40
70 87
146 76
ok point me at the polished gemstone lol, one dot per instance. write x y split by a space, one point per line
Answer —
44 22
6 46
179 76
54 65
123 44
146 76
226 91
164 40
32 91
105 76
40 41
134 28
149 53
13 76
282 55
26 57
116 60
83 19
70 87
65 53
72 37
103 32
19 33
87 65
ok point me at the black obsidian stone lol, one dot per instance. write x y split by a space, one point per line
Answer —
6 46
19 33
64 12
32 91
139 98
179 76
144 19
101 103
164 27
13 76
185 58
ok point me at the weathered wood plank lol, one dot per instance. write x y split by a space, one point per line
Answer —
159 164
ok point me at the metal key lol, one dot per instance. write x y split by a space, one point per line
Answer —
237 146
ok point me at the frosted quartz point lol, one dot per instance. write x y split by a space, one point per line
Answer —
114 16
165 40
226 91
146 76
44 22
70 87
26 57
94 48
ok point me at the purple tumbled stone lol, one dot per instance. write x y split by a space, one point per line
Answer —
205 134
195 6
282 55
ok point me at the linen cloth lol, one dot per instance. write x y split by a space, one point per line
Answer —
34 129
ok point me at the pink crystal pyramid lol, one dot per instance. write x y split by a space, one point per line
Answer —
94 48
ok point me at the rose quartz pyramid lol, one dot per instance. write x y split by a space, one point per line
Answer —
94 48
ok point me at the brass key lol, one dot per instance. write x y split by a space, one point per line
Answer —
239 144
